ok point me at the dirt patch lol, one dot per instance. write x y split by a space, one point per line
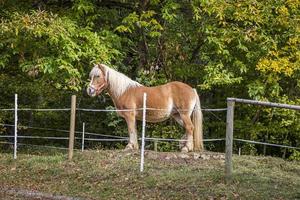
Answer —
21 194
178 157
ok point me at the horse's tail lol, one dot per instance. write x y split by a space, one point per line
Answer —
198 125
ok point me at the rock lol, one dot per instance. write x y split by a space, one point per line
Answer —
184 156
196 156
152 156
128 154
167 158
205 157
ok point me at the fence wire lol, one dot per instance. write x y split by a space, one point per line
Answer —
114 138
268 144
153 109
37 109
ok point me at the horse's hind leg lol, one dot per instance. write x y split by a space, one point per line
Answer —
178 119
189 128
131 125
180 122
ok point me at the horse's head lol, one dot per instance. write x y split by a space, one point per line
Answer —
99 80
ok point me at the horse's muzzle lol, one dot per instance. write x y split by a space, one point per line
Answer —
91 91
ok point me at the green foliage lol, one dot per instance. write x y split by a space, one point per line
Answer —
166 131
145 21
44 43
295 155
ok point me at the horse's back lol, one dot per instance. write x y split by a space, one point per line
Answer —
176 93
180 88
173 89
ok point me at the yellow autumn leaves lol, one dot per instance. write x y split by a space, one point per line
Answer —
284 61
280 66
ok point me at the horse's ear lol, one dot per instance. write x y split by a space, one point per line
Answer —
103 70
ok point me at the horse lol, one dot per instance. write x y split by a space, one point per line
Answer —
174 99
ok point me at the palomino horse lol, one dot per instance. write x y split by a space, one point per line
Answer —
174 99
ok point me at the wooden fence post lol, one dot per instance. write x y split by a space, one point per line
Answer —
229 139
72 127
229 127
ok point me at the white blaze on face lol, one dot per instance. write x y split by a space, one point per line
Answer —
90 89
96 72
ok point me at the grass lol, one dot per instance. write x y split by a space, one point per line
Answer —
115 175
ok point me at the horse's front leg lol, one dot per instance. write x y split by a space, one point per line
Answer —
131 124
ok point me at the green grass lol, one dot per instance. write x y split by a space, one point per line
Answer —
115 175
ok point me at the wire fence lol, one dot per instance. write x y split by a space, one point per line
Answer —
115 138
108 137
112 137
36 109
105 137
265 143
110 110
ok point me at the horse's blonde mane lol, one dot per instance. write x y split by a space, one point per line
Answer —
118 82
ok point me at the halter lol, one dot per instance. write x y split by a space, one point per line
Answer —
101 86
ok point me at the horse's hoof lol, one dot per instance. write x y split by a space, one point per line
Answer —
129 147
184 150
190 148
